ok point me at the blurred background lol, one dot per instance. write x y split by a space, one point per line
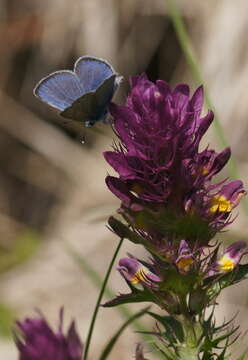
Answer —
52 190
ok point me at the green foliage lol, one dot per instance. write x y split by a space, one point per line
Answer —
135 296
123 231
215 284
175 338
184 226
177 283
173 331
216 338
7 317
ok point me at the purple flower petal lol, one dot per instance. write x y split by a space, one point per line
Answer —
37 341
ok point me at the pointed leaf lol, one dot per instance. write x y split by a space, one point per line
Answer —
133 297
174 331
219 282
124 231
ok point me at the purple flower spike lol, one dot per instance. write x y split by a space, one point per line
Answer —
158 129
185 257
232 256
136 273
37 341
164 181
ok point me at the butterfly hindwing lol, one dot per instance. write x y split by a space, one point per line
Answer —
81 109
104 93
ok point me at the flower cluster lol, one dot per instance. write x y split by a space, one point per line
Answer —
161 169
37 341
164 181
170 204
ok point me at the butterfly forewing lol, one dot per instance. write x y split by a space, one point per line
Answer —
92 72
59 89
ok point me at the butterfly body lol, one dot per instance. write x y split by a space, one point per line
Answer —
82 94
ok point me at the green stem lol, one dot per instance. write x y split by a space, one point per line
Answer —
191 59
192 330
123 309
189 350
89 336
188 354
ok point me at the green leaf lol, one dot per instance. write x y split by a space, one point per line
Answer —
219 282
177 283
167 353
114 339
174 331
241 273
135 296
189 226
124 231
212 339
215 343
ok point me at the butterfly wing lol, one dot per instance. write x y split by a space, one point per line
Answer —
104 93
82 95
92 72
59 89
81 109
92 106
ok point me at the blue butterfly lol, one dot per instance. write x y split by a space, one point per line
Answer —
82 94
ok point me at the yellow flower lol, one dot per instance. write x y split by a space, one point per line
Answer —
226 263
221 204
